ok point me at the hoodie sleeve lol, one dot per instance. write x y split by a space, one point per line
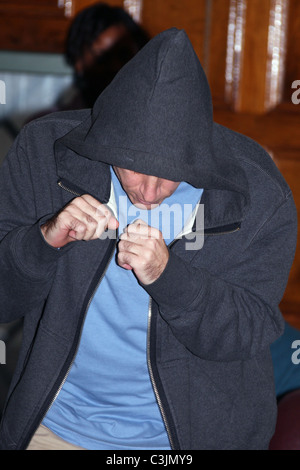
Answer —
233 315
27 262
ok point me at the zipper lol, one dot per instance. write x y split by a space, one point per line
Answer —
223 233
84 317
81 330
61 185
151 374
152 379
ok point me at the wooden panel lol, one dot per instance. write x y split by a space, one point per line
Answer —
215 48
252 93
255 54
31 7
39 26
32 25
253 74
79 5
46 35
190 15
292 66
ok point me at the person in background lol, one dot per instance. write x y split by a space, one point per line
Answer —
100 41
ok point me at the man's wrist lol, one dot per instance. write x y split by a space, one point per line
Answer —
175 287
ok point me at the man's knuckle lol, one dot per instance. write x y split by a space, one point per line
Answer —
124 245
90 220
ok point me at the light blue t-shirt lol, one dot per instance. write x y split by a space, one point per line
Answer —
107 401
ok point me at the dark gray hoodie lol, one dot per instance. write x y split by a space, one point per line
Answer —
213 312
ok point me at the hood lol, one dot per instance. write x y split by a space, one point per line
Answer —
156 118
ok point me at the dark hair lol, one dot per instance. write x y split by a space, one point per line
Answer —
91 22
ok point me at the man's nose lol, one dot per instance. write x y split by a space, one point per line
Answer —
150 188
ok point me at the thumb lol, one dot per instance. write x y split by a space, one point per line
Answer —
113 223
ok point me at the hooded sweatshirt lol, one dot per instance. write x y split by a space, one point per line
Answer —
214 310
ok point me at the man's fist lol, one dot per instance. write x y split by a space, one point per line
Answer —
84 218
143 249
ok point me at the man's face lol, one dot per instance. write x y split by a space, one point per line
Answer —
144 191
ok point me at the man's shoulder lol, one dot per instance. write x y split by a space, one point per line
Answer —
256 160
60 122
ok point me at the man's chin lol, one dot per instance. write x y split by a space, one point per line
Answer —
145 205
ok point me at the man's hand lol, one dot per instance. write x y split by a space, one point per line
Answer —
142 249
84 218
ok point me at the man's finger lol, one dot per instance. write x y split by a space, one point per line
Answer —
84 218
99 212
139 229
125 245
103 211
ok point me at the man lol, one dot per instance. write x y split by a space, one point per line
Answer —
133 338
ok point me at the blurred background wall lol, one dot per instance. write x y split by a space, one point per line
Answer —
250 50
